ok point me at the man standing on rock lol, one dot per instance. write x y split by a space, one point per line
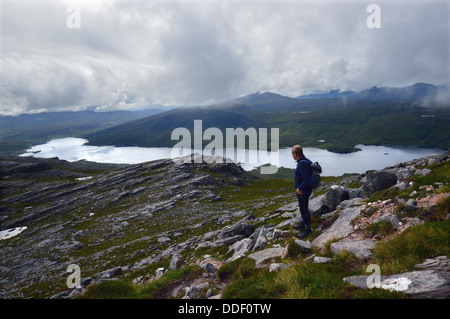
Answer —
302 184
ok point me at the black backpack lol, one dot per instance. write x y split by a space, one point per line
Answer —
316 171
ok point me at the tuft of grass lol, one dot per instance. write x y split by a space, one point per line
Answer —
262 286
437 212
111 289
416 244
312 281
380 228
122 289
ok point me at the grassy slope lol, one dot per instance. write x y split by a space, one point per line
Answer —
341 129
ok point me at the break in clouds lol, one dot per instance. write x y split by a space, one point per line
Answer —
133 54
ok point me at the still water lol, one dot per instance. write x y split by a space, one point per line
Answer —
333 164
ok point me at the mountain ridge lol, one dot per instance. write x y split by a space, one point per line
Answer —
342 123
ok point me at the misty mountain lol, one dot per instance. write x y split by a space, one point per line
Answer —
416 91
333 94
337 123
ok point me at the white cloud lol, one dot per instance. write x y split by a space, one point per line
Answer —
130 54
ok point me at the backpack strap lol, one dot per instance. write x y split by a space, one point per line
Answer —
305 161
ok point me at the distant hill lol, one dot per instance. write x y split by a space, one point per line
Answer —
17 133
413 92
333 94
393 118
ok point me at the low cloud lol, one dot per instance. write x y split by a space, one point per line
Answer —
133 54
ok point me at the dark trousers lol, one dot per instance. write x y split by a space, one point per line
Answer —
303 205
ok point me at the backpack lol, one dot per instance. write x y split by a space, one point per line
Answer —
316 171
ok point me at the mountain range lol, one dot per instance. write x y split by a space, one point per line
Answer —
374 116
335 120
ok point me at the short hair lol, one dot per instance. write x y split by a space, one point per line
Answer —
297 149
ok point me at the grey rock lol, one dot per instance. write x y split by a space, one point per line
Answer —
277 233
195 292
316 205
241 229
241 247
163 239
335 195
175 262
260 241
321 260
360 248
304 245
438 263
391 218
350 203
159 272
341 227
402 186
262 255
403 174
411 205
228 241
116 271
375 181
423 172
208 267
356 193
433 282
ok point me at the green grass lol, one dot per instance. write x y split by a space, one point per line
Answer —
324 281
301 281
416 244
122 289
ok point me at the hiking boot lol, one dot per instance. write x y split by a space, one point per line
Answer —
305 233
300 226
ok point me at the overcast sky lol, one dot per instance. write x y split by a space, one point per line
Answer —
75 55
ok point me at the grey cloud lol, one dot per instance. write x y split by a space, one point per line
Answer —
130 54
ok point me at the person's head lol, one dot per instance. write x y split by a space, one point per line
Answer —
297 152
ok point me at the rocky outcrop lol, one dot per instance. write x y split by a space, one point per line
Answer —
360 248
83 213
431 281
375 181
340 228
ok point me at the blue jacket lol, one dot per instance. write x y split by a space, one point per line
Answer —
302 177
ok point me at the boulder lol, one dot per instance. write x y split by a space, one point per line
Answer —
304 245
411 205
433 282
360 248
335 195
391 218
259 237
316 205
240 248
175 262
228 241
262 255
350 203
341 227
375 181
404 174
238 229
356 193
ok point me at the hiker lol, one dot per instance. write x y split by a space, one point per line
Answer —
302 179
